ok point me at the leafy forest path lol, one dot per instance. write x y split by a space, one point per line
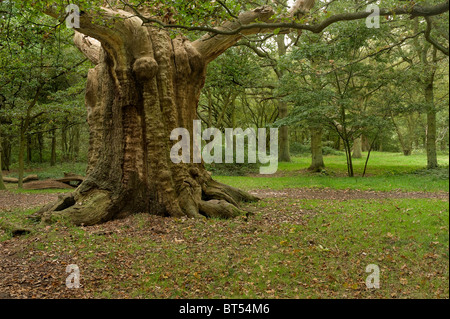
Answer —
345 194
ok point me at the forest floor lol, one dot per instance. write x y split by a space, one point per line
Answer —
10 201
300 242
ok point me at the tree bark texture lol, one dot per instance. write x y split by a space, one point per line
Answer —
316 150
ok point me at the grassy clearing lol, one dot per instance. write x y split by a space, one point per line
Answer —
380 163
406 183
387 172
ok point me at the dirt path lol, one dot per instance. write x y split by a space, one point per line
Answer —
12 201
333 194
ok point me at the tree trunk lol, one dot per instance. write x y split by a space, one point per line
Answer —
2 185
40 140
316 150
348 152
134 102
29 152
6 155
22 146
405 142
284 150
76 142
53 149
64 144
357 148
431 126
365 143
444 142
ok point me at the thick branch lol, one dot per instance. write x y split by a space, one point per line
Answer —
90 47
433 41
102 33
212 45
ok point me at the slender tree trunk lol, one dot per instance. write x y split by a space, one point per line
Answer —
405 143
76 142
357 148
22 146
338 143
29 154
2 184
284 155
284 151
64 144
431 126
40 139
316 150
6 155
53 149
444 141
365 144
348 152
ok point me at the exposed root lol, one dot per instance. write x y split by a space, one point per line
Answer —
220 209
15 229
216 190
90 209
212 200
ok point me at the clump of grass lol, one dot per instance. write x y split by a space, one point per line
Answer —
441 173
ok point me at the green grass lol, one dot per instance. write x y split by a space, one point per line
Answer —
13 189
45 171
378 183
379 163
387 172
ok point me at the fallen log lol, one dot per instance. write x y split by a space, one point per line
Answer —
47 184
31 178
71 178
69 181
27 179
10 180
